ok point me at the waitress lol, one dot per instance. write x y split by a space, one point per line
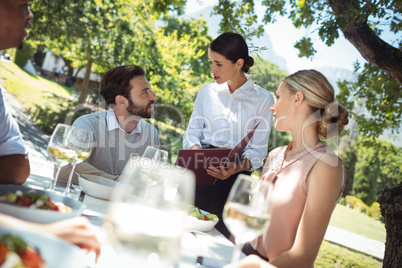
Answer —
224 112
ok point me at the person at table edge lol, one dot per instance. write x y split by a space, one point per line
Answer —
224 112
119 132
15 18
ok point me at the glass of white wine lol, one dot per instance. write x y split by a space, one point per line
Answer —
247 212
145 219
81 141
156 154
58 150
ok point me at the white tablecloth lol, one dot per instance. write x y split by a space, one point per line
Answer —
193 244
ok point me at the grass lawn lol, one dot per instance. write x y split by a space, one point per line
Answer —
359 223
28 89
335 256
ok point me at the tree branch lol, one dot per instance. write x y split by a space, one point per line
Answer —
366 41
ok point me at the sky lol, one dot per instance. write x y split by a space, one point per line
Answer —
283 36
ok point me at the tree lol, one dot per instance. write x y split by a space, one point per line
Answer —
181 67
98 34
390 157
267 74
360 21
348 154
367 171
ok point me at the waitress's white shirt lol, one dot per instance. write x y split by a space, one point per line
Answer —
221 118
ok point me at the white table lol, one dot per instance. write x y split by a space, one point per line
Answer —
193 244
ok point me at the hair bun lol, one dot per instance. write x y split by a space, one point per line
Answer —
333 119
250 61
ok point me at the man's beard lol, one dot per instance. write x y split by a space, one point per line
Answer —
140 111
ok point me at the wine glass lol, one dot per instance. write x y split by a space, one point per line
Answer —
247 212
59 151
145 219
79 140
156 154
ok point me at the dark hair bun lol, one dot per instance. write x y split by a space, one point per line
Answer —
248 63
333 119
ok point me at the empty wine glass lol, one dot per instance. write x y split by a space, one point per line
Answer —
79 140
247 212
59 151
156 154
145 219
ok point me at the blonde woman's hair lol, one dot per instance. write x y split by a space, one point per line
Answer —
320 96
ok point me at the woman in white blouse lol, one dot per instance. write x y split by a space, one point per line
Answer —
224 112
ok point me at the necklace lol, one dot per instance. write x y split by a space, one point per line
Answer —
279 170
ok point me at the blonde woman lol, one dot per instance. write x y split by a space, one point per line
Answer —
308 177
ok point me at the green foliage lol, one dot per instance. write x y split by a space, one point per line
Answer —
391 166
55 111
305 47
170 138
376 168
375 211
108 33
278 138
367 171
181 68
348 154
266 74
111 33
356 203
376 92
240 17
23 55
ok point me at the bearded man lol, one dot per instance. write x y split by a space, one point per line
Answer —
119 132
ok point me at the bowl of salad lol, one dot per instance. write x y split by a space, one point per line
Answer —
37 205
36 250
200 220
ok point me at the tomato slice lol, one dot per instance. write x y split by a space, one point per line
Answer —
24 201
3 253
31 259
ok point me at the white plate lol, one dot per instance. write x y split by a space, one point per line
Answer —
39 215
55 251
193 224
97 186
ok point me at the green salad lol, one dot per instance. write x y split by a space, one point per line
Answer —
196 213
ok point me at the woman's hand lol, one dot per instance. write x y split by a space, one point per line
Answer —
78 231
232 168
221 173
251 261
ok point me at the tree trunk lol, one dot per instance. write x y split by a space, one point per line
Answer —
366 41
85 83
391 209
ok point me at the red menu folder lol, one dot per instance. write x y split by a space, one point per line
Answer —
199 160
